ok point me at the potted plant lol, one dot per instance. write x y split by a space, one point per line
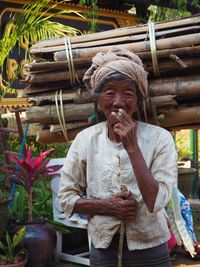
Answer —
39 235
10 256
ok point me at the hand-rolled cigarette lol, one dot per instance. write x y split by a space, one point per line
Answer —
120 114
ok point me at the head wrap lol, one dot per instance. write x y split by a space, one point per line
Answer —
117 60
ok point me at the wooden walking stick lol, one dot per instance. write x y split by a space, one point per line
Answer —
121 235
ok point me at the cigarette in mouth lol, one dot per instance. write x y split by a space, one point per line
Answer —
120 114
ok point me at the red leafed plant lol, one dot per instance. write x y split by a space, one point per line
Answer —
29 170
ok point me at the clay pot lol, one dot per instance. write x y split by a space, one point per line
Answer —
40 242
22 262
19 264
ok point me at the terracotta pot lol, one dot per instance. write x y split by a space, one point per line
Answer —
19 264
40 241
22 263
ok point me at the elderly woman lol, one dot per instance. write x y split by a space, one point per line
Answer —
121 152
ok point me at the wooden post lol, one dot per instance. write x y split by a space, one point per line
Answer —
20 129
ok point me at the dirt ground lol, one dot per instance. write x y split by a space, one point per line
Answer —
181 260
177 261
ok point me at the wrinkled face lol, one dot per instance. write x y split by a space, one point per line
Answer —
118 94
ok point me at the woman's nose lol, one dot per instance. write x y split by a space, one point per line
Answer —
118 100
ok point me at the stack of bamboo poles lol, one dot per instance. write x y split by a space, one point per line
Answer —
59 65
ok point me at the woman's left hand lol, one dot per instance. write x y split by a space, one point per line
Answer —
126 128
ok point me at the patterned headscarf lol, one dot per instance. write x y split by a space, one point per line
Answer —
116 61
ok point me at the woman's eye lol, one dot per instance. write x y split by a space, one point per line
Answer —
108 93
129 94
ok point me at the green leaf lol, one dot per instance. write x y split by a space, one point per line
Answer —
19 236
58 226
33 24
22 198
9 246
2 247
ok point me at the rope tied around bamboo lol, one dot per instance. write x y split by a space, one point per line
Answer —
73 77
60 113
152 40
70 61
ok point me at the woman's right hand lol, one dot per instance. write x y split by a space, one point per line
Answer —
123 205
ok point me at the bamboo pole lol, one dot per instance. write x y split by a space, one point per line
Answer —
111 41
50 97
181 116
173 64
181 87
73 125
85 97
48 114
121 32
188 86
69 96
58 75
165 53
179 41
45 66
46 87
46 137
48 66
53 76
162 101
172 43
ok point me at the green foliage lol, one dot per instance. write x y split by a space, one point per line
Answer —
182 147
4 191
31 25
196 3
92 14
19 207
42 205
58 226
165 14
6 87
9 251
4 196
59 152
180 4
42 202
42 195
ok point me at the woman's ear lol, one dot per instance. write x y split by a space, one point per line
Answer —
99 104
